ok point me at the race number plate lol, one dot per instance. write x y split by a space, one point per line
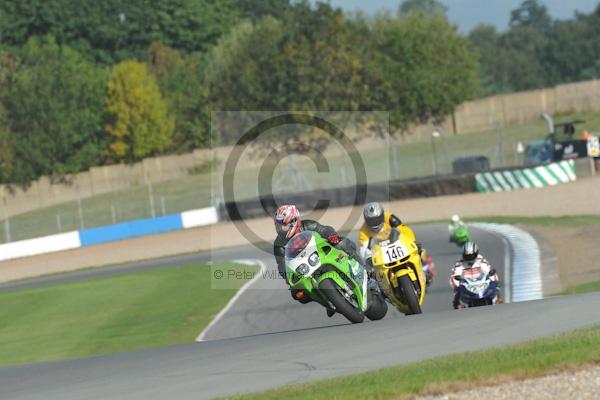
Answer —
394 252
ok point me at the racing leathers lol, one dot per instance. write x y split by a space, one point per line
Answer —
462 265
454 225
365 234
428 265
327 232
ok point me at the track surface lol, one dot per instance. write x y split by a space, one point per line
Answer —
273 341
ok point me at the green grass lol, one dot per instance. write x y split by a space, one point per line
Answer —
566 221
584 288
577 220
195 191
461 371
119 313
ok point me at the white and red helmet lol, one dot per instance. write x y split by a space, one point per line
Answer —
287 221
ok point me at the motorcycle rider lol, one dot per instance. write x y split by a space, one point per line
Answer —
428 265
470 258
455 223
454 226
376 220
287 224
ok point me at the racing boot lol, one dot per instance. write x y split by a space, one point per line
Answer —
300 296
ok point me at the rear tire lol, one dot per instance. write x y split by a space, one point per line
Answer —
377 308
410 295
330 289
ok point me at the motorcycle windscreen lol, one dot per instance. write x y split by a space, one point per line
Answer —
475 281
473 274
381 239
297 244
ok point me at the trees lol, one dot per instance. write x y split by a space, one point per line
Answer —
6 150
186 57
418 66
54 109
139 124
257 9
422 68
181 79
7 66
533 14
110 31
537 51
572 54
245 70
423 7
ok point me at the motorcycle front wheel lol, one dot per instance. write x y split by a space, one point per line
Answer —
342 305
410 295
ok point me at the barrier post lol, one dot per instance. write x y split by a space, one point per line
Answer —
151 200
500 145
80 210
113 213
7 230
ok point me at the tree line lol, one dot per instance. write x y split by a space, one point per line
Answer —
85 83
537 51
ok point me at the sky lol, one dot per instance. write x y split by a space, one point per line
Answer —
469 13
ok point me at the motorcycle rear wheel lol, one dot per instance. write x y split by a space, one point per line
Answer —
377 308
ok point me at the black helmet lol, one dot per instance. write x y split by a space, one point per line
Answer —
470 251
373 213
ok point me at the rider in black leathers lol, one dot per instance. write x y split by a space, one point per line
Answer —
288 223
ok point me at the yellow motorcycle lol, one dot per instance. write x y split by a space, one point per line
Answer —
398 268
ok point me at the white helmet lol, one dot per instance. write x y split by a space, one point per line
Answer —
455 219
470 251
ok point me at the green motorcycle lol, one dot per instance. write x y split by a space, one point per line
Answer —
331 278
460 235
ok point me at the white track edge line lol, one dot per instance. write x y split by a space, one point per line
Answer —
526 264
507 270
263 269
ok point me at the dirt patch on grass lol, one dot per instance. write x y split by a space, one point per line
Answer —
574 382
577 249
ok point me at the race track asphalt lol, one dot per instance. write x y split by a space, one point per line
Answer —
267 340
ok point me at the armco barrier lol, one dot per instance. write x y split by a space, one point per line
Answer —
526 178
41 245
394 190
125 230
104 234
318 199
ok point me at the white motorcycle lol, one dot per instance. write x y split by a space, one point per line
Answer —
476 288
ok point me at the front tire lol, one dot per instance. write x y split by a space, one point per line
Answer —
410 295
331 291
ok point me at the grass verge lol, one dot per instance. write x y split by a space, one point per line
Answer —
119 313
583 288
577 220
455 372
